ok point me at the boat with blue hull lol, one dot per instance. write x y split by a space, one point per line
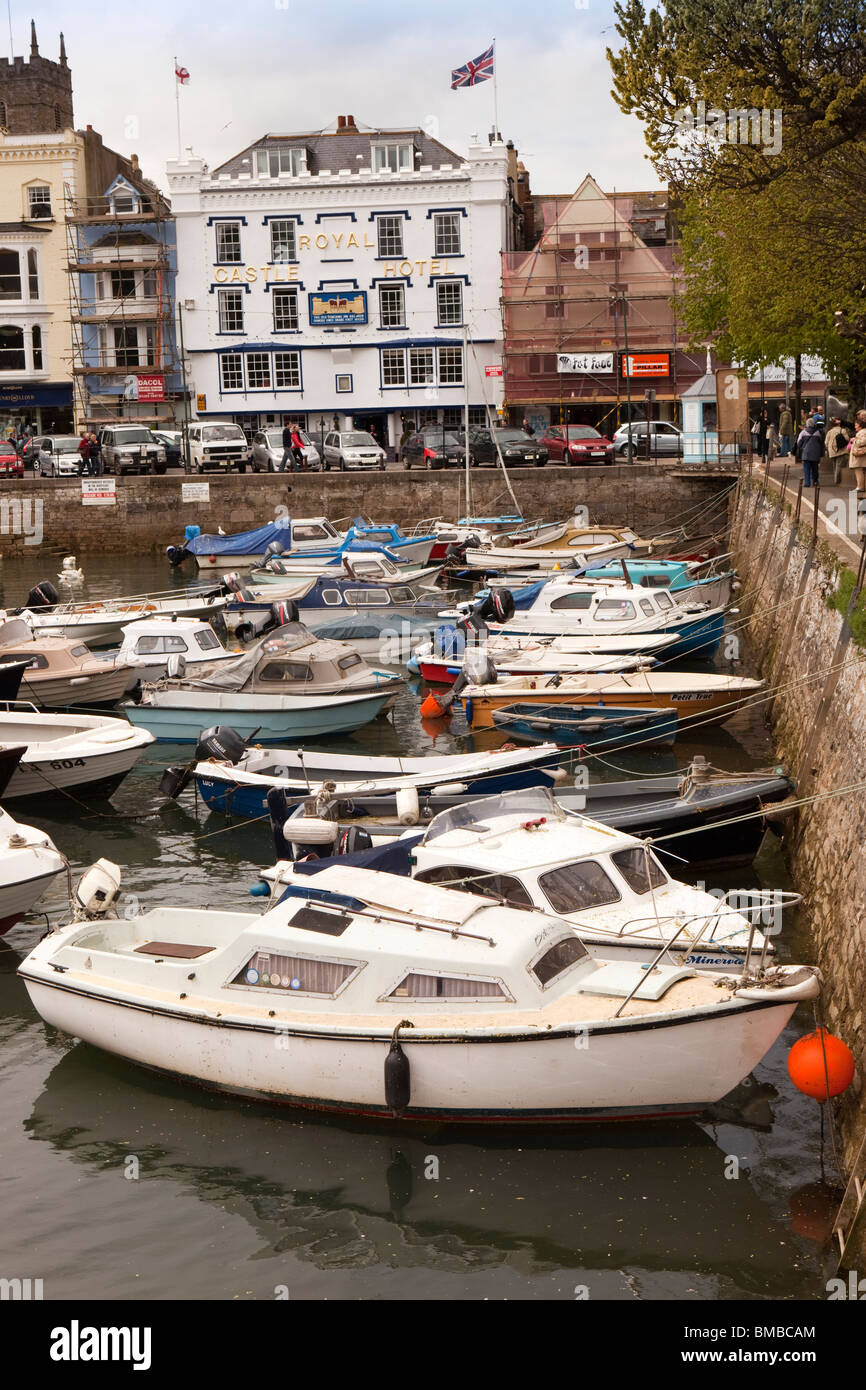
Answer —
372 784
311 536
602 727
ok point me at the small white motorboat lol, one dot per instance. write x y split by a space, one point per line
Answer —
29 862
380 996
532 850
89 752
100 621
157 647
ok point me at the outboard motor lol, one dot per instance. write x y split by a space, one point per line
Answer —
175 666
232 582
352 840
275 548
176 555
285 612
497 607
42 595
220 742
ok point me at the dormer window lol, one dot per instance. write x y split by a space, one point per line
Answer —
273 163
123 201
38 201
393 157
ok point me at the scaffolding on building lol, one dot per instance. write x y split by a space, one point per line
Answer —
591 285
118 296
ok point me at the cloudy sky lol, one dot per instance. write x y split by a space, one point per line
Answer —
292 65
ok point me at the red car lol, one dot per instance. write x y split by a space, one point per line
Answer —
575 444
11 466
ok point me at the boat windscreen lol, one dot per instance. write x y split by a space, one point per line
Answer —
527 804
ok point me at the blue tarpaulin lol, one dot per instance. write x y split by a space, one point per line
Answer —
245 543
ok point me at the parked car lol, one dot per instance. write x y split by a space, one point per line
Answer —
11 464
172 442
432 448
54 455
352 449
131 449
221 447
266 451
516 447
576 444
666 440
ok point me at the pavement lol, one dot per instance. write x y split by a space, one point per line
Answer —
837 505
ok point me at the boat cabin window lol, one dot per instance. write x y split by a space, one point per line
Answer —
81 651
368 598
309 533
664 600
578 887
502 887
165 642
646 607
632 864
37 662
418 986
656 581
401 593
207 640
286 671
568 601
332 597
347 662
614 610
301 974
558 959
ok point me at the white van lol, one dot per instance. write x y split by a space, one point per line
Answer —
217 446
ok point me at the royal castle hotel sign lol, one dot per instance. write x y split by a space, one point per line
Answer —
326 278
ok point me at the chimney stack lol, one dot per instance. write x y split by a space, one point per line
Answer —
341 122
350 123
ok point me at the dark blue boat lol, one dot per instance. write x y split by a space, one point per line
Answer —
592 726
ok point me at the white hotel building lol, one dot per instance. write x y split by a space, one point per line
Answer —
326 279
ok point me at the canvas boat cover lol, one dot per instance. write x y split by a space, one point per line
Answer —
234 675
244 543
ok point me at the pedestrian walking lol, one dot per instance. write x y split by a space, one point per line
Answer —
772 442
837 438
857 449
812 451
298 449
95 456
287 449
786 430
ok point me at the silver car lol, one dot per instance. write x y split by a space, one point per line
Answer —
54 455
352 449
266 451
666 440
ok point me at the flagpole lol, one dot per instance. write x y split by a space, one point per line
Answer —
495 96
177 104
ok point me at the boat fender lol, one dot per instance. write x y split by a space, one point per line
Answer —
175 666
173 781
398 1080
310 830
469 710
559 775
450 789
222 742
408 810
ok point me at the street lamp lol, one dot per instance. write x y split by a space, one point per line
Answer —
615 300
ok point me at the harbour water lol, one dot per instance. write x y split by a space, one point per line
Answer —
117 1183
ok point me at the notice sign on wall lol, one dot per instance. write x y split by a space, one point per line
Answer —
195 492
98 492
646 364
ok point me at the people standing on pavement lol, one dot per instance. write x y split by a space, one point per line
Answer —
84 452
772 442
95 456
836 441
812 451
786 429
297 449
857 449
759 433
287 449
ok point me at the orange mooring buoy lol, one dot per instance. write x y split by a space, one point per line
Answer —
821 1065
432 709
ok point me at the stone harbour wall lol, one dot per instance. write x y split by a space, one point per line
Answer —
149 512
823 743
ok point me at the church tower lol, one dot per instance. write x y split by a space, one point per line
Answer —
36 94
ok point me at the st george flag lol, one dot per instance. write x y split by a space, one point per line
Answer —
180 73
476 70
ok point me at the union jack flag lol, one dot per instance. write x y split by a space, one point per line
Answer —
476 70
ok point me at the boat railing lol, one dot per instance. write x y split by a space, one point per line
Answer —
20 706
765 900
